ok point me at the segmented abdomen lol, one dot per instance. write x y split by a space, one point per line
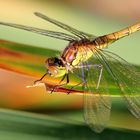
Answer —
104 41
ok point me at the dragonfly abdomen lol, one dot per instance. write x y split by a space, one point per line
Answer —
110 38
103 41
83 50
100 42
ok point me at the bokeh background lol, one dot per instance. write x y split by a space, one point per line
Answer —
97 17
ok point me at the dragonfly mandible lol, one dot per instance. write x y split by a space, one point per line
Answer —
86 53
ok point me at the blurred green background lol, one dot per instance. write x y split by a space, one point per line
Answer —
92 16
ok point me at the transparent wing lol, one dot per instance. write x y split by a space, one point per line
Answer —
53 34
79 34
126 76
97 101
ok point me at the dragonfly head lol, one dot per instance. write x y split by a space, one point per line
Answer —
55 67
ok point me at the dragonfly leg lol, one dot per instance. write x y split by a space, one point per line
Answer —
67 81
94 66
62 78
100 76
40 78
74 87
100 73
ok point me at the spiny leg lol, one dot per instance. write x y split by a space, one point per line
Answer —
62 79
67 81
100 76
74 87
83 78
100 73
40 78
93 66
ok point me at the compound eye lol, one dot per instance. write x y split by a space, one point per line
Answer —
57 62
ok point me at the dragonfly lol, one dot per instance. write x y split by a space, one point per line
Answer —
86 57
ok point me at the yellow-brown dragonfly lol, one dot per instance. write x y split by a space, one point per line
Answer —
86 57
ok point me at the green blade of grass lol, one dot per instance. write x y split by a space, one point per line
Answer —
29 60
23 59
22 125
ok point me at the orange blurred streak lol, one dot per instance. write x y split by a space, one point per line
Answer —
14 94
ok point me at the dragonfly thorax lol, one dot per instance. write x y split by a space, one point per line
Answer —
77 52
